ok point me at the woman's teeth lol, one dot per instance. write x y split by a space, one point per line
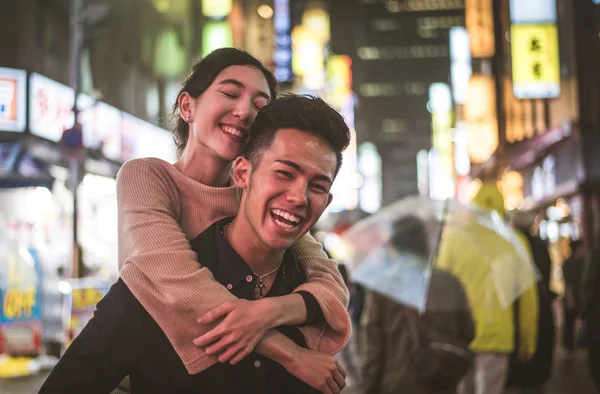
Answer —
232 131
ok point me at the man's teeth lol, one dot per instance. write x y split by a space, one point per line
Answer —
286 215
232 130
284 225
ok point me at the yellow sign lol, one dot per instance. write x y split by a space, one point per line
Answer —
19 304
216 8
535 61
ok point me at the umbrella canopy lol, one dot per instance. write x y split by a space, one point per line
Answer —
397 251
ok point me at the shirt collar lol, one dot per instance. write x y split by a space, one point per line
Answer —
231 267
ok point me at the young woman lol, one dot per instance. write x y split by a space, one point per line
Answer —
163 206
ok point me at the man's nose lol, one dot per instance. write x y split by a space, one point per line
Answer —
298 194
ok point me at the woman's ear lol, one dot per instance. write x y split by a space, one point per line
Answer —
241 172
185 103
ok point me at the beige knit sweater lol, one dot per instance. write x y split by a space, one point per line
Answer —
160 210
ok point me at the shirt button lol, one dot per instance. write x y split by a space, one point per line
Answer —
249 278
257 363
229 286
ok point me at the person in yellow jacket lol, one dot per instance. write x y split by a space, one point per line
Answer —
467 252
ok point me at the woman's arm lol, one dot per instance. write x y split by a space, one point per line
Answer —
324 281
162 270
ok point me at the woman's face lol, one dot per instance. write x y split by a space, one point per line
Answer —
221 117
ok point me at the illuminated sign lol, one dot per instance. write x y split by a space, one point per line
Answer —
215 35
532 11
283 41
101 125
460 63
143 139
81 297
51 107
216 8
479 19
12 99
480 115
535 61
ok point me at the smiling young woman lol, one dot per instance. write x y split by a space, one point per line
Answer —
163 206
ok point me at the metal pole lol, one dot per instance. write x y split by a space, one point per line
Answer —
76 39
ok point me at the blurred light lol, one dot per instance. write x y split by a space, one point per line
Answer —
440 97
162 6
552 231
317 19
565 230
64 287
423 172
462 162
532 11
216 8
265 11
393 6
215 35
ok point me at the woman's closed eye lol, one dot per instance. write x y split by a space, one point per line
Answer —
230 95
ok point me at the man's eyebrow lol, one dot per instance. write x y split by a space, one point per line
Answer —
239 84
295 166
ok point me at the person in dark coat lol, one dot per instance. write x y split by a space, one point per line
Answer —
529 377
573 274
590 312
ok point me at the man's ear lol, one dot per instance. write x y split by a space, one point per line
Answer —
329 199
241 172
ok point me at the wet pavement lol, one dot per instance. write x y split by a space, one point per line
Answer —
569 377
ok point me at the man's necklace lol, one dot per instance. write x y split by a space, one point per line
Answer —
260 285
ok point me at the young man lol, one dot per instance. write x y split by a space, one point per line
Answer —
285 176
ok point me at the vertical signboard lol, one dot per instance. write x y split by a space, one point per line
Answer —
51 107
534 47
535 61
283 41
479 20
12 99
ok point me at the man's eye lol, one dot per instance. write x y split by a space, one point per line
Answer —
230 95
285 174
321 188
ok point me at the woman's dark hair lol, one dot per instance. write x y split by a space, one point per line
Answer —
202 76
302 112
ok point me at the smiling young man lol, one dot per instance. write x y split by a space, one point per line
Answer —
285 176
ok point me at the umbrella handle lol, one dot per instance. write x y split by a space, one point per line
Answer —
433 257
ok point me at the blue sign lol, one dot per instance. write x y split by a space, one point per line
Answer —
282 56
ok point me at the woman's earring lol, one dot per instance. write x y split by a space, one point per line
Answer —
187 117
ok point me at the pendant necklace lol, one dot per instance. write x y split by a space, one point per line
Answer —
258 289
260 285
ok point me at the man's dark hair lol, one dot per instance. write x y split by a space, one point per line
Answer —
303 112
409 234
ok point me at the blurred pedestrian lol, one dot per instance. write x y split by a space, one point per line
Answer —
389 328
590 312
463 253
529 377
573 275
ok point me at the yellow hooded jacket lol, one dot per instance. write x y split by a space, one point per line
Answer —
461 253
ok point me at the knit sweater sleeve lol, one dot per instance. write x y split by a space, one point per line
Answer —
324 281
157 262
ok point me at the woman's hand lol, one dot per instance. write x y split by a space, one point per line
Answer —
319 370
243 325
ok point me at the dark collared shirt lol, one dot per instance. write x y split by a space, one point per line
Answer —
123 339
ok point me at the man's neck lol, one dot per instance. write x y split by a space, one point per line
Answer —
243 239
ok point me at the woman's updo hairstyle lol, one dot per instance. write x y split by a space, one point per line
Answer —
202 76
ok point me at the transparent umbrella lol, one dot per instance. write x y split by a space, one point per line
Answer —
398 251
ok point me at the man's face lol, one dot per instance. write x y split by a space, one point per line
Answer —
286 192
